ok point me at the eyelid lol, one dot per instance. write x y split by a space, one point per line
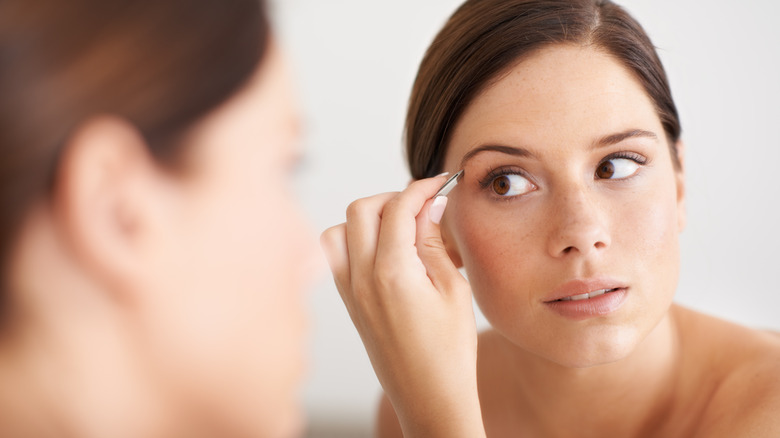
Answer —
487 180
634 156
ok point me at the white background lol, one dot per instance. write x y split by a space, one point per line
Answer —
355 61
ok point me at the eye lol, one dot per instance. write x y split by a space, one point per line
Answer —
511 185
617 168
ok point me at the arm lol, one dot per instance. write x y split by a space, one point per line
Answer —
412 309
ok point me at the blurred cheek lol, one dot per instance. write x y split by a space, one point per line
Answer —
230 320
264 275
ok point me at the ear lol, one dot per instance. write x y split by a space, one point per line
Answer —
104 198
682 216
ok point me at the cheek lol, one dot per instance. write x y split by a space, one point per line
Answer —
260 286
504 252
230 324
253 274
248 248
498 250
647 233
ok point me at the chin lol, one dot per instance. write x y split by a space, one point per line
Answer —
597 347
579 347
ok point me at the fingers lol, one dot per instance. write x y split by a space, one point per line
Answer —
334 245
407 300
364 218
431 250
391 235
398 234
350 248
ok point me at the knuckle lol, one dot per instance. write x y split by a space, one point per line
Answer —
362 289
386 276
432 243
370 206
396 202
356 209
361 208
330 237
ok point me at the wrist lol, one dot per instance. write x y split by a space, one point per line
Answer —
451 416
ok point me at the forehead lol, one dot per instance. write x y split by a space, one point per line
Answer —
561 95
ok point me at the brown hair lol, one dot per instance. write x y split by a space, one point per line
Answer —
484 38
160 64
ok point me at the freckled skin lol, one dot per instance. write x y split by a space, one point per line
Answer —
648 368
513 249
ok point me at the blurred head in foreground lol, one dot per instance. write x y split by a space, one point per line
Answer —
152 257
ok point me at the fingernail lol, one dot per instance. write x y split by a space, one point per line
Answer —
442 174
436 210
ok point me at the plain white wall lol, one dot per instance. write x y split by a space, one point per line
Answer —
355 61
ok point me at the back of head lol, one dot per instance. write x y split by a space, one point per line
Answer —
159 64
485 38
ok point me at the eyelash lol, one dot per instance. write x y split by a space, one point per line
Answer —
633 156
487 180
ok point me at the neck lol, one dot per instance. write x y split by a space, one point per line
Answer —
68 364
563 400
64 384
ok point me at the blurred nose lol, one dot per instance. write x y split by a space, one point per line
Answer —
579 225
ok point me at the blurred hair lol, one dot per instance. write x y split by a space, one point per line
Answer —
485 38
159 64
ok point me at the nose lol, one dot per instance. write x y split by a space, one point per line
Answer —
579 225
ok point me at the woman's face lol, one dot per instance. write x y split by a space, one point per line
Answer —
569 189
226 319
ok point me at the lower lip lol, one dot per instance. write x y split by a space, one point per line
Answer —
592 307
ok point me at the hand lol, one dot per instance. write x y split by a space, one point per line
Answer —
411 307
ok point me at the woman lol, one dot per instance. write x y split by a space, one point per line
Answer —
566 222
153 260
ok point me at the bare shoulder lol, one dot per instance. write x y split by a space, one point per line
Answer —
747 402
387 425
746 364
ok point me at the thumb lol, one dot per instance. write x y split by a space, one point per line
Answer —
431 250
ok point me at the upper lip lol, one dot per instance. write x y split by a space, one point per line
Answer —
582 286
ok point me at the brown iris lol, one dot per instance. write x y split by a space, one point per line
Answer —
605 170
501 185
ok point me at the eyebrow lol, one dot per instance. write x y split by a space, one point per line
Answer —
509 150
625 135
607 140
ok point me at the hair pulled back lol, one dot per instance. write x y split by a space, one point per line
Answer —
160 64
485 38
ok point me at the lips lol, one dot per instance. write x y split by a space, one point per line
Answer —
583 299
587 295
583 289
